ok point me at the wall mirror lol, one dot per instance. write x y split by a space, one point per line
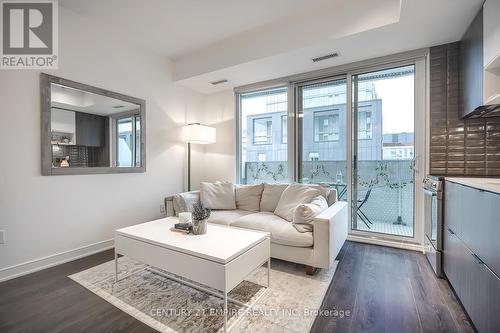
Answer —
89 130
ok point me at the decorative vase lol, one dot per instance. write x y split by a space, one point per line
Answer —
199 227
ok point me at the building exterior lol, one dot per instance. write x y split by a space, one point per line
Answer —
323 134
398 146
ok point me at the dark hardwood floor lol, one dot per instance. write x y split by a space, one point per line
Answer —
389 290
384 289
48 301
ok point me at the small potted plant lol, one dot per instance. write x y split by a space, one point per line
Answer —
200 214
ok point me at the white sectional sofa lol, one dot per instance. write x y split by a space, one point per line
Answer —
315 249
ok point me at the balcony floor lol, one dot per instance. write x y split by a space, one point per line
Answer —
388 228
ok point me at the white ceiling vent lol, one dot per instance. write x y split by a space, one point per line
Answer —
326 56
219 82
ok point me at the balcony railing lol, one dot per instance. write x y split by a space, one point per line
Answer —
391 181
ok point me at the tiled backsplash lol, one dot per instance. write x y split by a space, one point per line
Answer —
458 147
80 156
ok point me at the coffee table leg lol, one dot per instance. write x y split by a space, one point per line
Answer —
225 311
116 266
269 273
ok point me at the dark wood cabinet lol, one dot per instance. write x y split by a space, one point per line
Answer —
470 257
90 130
471 67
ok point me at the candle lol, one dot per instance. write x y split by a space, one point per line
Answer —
185 217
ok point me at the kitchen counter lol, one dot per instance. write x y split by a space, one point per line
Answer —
487 184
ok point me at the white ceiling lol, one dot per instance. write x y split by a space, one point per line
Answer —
83 101
178 27
250 41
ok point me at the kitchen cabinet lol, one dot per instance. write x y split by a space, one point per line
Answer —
453 201
62 122
491 52
471 67
452 255
491 25
470 256
90 130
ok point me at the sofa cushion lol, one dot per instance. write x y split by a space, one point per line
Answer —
226 217
248 197
270 196
292 196
282 232
219 195
304 214
183 202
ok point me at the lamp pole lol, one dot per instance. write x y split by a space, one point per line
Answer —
189 166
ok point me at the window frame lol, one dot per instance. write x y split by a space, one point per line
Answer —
134 115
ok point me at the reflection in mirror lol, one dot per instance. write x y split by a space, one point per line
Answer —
89 130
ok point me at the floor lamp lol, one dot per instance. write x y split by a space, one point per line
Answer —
197 134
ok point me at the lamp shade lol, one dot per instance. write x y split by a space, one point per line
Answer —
197 133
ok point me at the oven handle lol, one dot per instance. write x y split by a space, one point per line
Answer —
429 193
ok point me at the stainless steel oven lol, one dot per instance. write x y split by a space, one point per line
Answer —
433 247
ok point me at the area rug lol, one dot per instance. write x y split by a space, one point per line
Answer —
289 305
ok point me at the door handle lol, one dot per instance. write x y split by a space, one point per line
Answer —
451 231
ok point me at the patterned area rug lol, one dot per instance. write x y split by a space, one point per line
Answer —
289 305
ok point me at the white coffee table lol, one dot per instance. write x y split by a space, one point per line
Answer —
219 259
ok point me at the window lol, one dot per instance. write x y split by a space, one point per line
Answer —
322 133
263 131
260 112
354 131
326 126
365 125
128 141
283 129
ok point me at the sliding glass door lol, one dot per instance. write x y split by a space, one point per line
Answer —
383 151
361 132
322 134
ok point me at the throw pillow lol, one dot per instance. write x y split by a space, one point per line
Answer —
292 196
219 195
304 214
270 196
248 197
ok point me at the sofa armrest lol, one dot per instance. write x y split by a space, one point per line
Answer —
169 206
181 202
330 232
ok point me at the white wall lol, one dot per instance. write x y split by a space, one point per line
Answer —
43 216
219 160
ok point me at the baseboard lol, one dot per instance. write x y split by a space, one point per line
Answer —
386 242
38 264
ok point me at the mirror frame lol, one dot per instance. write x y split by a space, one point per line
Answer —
45 93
